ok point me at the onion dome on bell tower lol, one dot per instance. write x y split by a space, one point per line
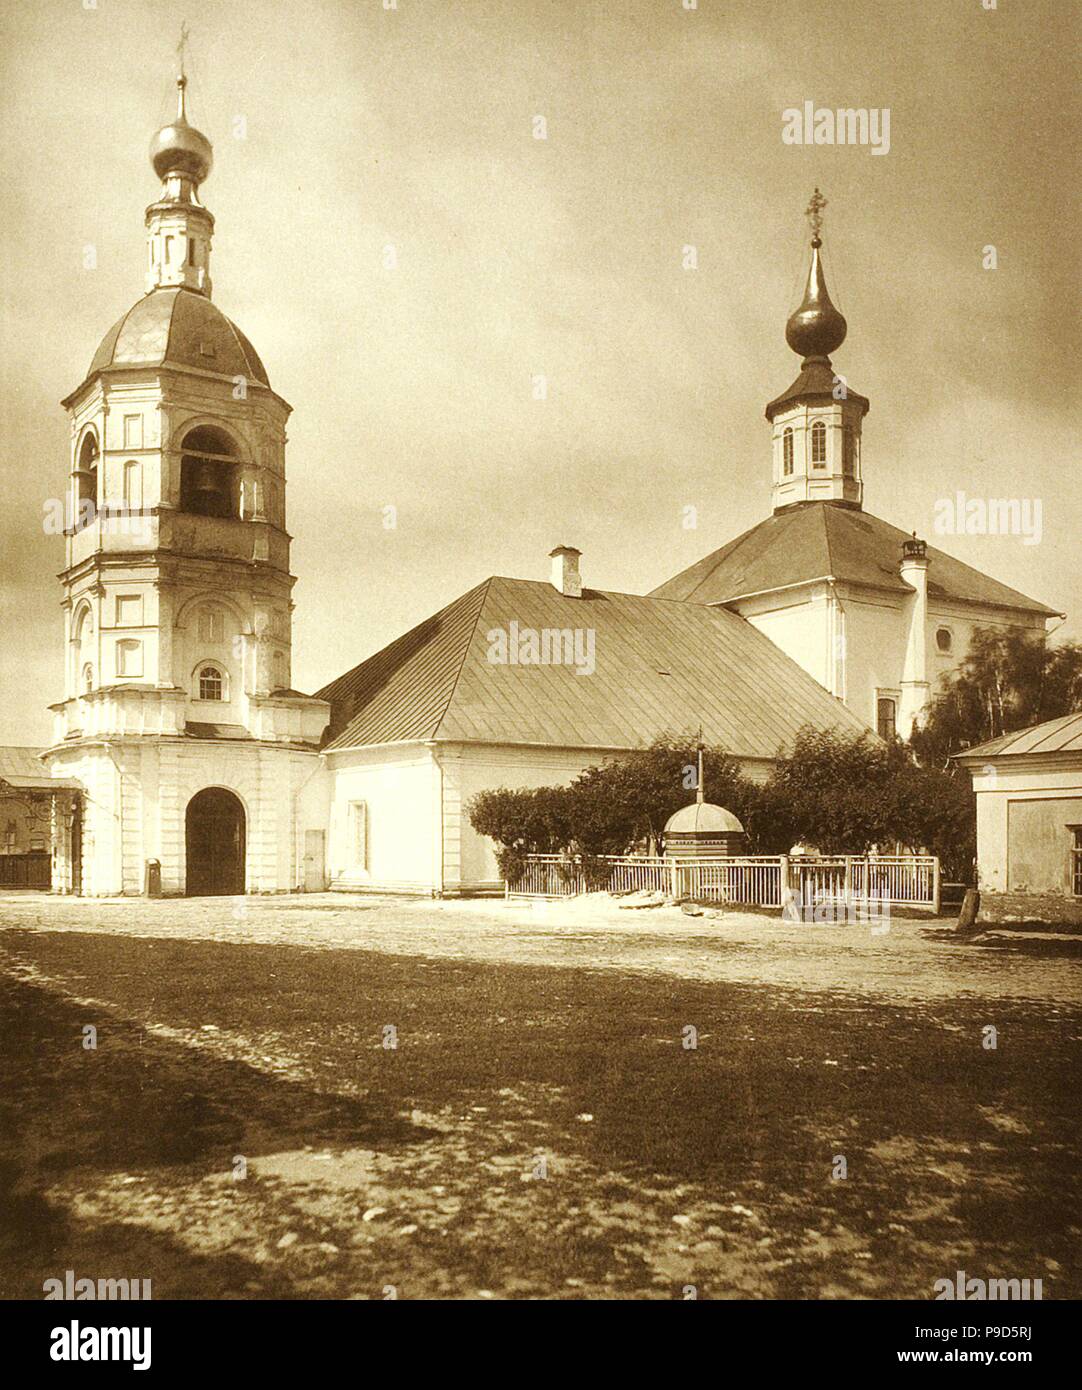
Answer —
179 227
817 421
816 329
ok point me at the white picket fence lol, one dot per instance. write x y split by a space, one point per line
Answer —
900 880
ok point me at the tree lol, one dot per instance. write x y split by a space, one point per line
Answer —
612 806
1008 681
846 795
842 794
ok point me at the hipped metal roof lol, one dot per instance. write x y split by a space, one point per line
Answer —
818 540
661 668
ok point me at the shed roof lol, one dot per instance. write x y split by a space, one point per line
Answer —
1063 735
21 768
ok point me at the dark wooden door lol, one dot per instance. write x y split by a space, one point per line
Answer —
214 843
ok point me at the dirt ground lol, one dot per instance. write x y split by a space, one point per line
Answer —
346 1097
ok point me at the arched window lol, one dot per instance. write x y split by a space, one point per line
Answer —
209 483
210 683
787 451
86 474
944 639
83 639
819 445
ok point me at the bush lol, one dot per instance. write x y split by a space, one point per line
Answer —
843 794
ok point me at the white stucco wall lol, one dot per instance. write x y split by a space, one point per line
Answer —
398 786
137 793
1002 834
853 640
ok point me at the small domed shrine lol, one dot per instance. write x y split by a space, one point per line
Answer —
702 830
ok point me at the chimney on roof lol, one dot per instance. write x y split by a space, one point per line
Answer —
565 571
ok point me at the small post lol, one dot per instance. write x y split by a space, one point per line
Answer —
935 884
674 874
783 878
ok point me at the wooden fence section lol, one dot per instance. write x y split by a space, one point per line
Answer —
901 880
30 870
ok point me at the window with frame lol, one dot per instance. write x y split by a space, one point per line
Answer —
10 831
358 834
88 679
129 610
129 658
849 451
886 717
1076 862
787 452
819 444
133 484
211 684
86 474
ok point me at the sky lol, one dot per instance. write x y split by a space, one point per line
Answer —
366 126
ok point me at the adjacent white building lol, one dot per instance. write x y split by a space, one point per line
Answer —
1029 823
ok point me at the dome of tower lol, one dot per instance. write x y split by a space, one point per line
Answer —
816 328
178 148
178 327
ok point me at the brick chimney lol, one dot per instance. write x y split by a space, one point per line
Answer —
565 571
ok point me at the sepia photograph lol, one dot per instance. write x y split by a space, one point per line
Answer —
540 672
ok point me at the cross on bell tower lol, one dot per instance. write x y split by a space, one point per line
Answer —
177 583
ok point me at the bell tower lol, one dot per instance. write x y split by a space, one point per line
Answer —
817 421
177 585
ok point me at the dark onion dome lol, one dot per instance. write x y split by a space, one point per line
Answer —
178 327
816 328
179 148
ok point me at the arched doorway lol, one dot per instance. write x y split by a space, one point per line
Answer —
214 827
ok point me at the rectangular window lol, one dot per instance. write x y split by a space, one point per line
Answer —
133 485
358 834
129 610
886 717
133 431
129 658
849 455
1076 862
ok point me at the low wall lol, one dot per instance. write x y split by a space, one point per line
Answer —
1041 909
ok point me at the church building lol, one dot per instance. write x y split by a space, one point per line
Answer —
184 761
876 615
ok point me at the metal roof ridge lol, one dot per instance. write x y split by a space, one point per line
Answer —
486 587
